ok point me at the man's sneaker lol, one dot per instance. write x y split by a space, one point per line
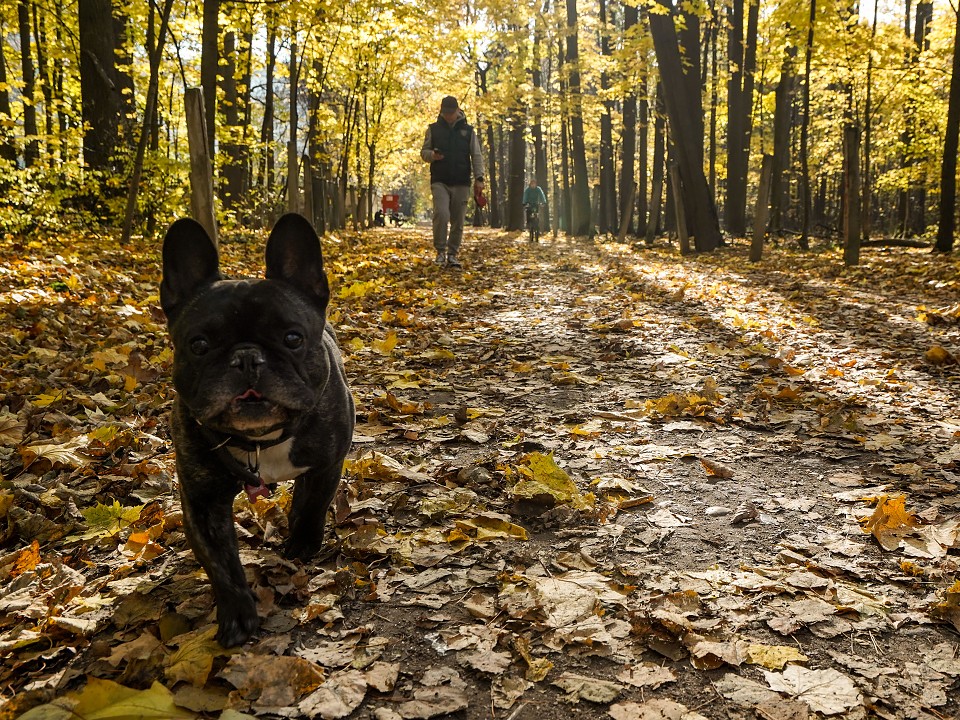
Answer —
441 259
453 262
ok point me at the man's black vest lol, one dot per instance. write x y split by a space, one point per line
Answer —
454 144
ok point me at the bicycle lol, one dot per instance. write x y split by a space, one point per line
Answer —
533 223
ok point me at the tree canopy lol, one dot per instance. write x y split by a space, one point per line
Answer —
577 87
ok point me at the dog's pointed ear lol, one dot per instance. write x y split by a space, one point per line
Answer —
190 263
294 257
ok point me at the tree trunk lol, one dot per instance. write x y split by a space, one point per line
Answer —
210 67
851 194
293 170
762 212
493 196
153 88
8 149
742 53
580 210
642 143
566 205
518 154
628 136
659 157
628 154
266 129
805 185
43 76
948 168
231 168
686 128
99 87
714 102
31 153
539 146
783 110
608 187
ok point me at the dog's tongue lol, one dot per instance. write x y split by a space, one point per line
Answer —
250 394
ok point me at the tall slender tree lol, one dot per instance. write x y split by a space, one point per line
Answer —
686 126
607 220
806 189
946 230
580 191
209 68
31 152
742 51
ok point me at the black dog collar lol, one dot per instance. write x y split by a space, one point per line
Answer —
247 473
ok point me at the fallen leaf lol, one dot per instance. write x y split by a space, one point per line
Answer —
826 691
337 697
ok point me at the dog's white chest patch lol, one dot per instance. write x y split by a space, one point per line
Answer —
275 465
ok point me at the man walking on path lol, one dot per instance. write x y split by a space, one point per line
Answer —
453 151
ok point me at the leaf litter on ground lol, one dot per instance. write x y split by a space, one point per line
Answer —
587 478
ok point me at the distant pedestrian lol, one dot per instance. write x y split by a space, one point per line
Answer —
453 151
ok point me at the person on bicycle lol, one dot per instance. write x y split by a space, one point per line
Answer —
533 198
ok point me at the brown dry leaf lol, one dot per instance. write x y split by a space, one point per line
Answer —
783 710
337 697
12 429
647 675
430 702
140 648
507 689
826 691
581 687
715 469
273 681
657 709
382 676
55 455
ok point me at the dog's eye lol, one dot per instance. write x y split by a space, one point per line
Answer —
199 346
293 339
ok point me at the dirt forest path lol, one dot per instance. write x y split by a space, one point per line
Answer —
588 480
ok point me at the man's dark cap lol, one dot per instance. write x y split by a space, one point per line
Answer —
448 104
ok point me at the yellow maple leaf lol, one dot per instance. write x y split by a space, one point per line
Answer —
774 657
385 346
889 521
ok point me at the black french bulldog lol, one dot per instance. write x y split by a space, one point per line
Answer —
261 398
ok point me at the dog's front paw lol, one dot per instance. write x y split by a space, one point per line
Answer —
237 622
302 548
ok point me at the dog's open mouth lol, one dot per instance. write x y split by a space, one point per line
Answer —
252 412
250 395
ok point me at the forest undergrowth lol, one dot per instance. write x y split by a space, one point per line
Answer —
588 480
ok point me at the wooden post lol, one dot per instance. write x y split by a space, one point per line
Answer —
679 209
201 168
762 214
309 201
851 194
628 213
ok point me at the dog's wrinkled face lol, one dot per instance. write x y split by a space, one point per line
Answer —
248 356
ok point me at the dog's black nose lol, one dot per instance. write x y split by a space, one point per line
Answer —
247 359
